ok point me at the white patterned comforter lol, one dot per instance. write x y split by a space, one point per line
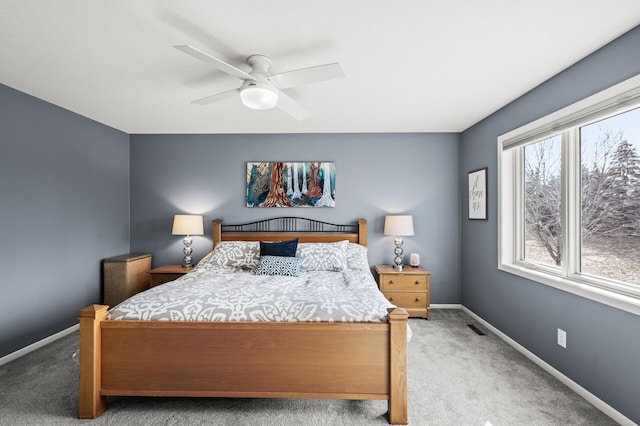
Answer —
216 294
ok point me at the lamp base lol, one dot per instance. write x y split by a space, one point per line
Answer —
187 261
397 261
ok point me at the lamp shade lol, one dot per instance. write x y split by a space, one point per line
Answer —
187 224
398 225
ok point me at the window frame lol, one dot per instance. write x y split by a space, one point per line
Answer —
566 123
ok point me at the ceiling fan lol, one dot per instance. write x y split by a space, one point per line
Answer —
259 89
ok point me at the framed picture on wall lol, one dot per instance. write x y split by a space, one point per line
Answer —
291 184
478 194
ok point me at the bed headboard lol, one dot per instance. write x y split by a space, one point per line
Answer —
286 228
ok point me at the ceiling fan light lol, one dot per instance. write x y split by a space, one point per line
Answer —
258 96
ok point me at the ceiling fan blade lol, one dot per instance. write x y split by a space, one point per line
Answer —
217 97
218 63
307 75
291 107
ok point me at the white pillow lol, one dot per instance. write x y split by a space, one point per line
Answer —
237 254
357 257
323 256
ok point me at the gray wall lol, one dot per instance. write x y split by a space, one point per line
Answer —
64 205
603 343
376 174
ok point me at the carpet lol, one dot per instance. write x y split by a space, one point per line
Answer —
456 377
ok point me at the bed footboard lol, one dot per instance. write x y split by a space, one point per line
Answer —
242 359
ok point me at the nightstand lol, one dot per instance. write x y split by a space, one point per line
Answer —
167 273
407 289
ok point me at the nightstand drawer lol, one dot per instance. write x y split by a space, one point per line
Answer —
412 282
408 300
157 279
167 273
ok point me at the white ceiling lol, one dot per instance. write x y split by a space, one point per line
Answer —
411 65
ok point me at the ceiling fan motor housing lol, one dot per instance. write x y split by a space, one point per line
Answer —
259 93
260 64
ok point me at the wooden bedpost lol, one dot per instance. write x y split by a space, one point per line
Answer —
216 232
362 232
91 404
398 408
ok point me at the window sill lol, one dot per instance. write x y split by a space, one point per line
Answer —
601 295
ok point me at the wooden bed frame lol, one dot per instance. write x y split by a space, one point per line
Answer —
246 359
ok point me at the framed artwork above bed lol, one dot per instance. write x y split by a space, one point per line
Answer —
291 184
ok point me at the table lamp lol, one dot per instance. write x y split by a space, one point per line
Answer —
187 225
398 226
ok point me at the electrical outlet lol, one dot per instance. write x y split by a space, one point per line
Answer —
562 338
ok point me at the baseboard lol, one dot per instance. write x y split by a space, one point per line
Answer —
584 393
32 347
446 306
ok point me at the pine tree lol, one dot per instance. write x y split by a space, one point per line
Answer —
623 193
597 185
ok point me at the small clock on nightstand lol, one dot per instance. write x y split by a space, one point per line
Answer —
407 288
167 273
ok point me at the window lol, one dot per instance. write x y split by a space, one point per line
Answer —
569 198
542 196
610 192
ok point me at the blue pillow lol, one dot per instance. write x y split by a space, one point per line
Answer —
279 265
283 248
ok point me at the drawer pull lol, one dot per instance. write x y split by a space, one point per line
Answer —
417 299
417 282
391 299
390 281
